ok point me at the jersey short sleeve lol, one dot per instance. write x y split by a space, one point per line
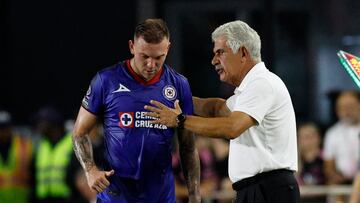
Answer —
93 100
185 99
255 100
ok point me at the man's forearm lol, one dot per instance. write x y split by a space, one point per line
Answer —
190 164
83 151
219 127
207 107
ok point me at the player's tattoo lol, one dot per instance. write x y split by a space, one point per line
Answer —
190 162
83 150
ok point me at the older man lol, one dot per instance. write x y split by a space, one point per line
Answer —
258 119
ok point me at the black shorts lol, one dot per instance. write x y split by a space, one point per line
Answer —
277 186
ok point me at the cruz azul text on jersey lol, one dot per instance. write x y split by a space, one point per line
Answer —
137 119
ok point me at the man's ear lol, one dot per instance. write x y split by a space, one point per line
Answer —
131 46
244 52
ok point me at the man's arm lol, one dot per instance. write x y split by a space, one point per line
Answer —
210 107
83 149
190 164
228 127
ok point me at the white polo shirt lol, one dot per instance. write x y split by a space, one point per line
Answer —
272 143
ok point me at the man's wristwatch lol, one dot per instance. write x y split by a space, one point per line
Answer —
180 120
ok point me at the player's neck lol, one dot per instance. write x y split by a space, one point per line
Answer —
138 77
133 67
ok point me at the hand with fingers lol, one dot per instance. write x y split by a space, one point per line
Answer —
163 114
98 180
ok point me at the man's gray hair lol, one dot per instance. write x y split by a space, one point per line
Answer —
237 34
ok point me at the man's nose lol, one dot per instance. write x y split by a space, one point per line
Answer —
151 63
214 60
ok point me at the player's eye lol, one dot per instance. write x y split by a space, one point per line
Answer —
159 57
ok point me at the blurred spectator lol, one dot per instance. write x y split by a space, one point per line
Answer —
311 163
221 152
208 177
208 174
341 146
310 155
53 176
15 157
220 148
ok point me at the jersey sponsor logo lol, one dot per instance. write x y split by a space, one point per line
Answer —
85 100
126 119
137 119
88 92
169 92
121 88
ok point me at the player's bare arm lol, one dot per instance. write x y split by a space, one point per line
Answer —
84 152
190 163
210 107
81 141
228 127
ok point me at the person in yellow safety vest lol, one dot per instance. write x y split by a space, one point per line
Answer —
52 164
15 157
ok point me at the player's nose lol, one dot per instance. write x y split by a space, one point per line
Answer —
151 63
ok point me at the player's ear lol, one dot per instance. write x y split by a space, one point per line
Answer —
131 46
169 45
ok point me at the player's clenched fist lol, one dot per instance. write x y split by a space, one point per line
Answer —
97 180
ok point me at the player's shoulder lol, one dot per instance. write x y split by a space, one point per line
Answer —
174 74
111 70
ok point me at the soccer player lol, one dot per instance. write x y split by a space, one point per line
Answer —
137 153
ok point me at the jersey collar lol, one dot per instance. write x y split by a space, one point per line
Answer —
139 79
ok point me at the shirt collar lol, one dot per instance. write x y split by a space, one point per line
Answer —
139 79
254 71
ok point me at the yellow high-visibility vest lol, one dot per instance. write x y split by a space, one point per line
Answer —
14 174
51 165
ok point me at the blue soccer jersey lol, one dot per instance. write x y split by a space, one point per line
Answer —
139 152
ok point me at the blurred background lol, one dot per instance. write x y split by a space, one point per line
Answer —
51 49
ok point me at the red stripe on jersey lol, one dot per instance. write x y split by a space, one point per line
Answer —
154 80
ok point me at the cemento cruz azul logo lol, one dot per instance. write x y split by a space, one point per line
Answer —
137 119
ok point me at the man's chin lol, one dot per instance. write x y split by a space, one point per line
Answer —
222 78
149 77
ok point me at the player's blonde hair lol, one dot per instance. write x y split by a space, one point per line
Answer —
152 30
